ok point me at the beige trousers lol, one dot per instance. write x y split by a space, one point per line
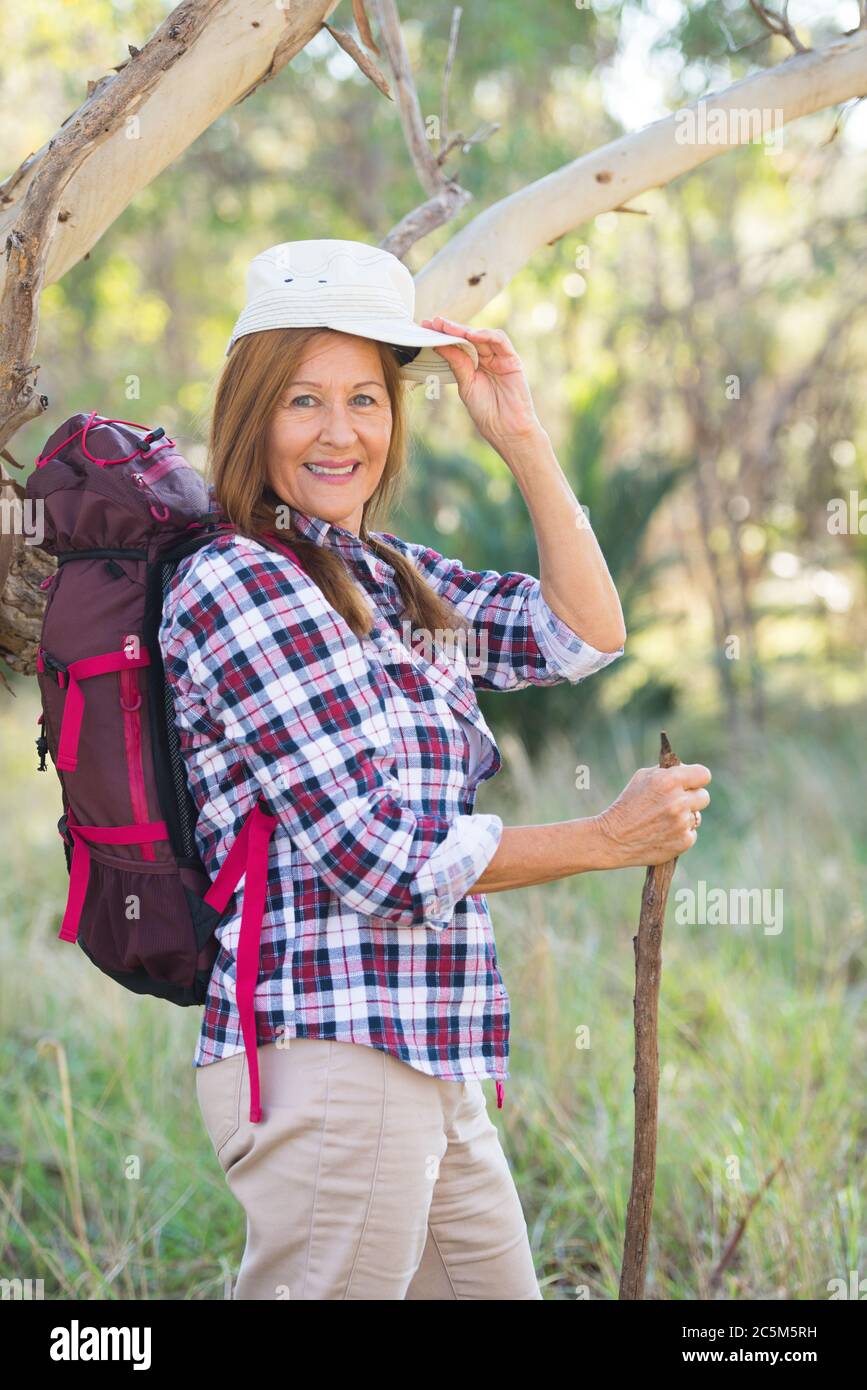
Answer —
365 1179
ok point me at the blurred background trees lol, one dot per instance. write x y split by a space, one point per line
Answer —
697 360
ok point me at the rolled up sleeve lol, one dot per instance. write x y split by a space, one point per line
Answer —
564 651
288 686
462 857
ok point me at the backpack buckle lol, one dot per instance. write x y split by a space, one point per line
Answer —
68 844
55 668
151 438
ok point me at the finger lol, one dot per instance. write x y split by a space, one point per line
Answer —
684 842
459 361
495 338
494 342
460 330
698 799
690 774
453 327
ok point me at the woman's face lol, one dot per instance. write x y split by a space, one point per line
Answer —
334 412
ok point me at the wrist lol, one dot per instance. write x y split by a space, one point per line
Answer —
526 444
599 848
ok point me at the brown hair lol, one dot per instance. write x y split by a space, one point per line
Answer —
248 390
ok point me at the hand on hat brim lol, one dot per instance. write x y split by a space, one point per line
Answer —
458 359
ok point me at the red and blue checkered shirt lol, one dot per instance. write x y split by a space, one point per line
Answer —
359 747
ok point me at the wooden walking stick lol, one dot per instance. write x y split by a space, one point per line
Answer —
648 969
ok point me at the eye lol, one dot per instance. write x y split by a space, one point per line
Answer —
361 395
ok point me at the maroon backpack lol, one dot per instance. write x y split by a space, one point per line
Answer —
120 508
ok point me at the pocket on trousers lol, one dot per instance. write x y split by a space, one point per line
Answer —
218 1088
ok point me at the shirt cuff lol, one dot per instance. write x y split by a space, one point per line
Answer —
563 650
455 865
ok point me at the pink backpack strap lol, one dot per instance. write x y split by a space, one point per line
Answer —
248 855
68 676
82 837
284 548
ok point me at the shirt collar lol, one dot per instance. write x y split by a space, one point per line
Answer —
313 527
322 532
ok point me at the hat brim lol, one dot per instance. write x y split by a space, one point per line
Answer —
406 333
400 332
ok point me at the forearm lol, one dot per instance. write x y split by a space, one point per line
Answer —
573 574
531 854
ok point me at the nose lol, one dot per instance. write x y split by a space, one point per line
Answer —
338 429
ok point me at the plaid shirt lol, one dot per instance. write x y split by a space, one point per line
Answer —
369 935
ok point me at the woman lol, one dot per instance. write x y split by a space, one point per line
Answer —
375 1171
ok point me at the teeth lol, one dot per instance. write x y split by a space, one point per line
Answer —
329 471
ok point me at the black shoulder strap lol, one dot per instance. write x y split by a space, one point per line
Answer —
176 804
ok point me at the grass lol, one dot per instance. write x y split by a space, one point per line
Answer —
110 1189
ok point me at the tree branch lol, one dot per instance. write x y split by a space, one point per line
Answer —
778 23
446 196
429 175
206 55
367 65
488 252
444 142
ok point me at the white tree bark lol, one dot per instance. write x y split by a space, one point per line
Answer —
485 254
243 44
232 58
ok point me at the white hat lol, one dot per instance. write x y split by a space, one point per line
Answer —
348 286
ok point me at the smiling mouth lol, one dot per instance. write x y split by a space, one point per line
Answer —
322 470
